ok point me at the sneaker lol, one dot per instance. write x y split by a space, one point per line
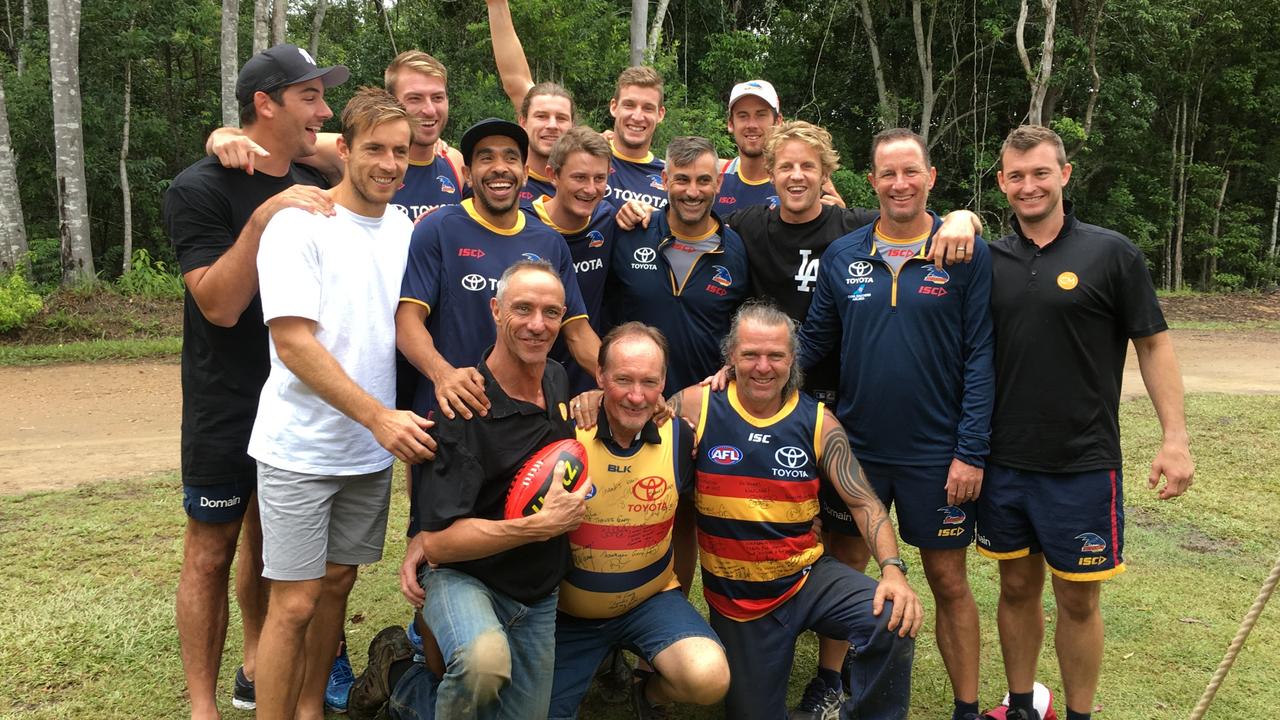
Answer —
613 678
340 681
371 690
1004 712
1042 699
819 702
644 710
242 697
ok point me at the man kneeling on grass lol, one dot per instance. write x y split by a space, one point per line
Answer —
326 433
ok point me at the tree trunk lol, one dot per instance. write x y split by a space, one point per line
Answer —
1190 128
639 24
230 63
26 33
1275 220
1211 260
125 200
279 21
73 195
924 58
260 12
888 108
1166 262
655 32
13 230
1096 80
317 22
1038 79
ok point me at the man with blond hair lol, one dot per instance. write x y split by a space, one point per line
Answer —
1067 298
326 431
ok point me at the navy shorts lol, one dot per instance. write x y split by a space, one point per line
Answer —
220 503
1075 519
919 495
647 629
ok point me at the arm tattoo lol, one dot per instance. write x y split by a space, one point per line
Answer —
673 402
843 471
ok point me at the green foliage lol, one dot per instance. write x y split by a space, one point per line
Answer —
18 301
149 278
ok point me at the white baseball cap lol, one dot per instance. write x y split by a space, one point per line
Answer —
762 89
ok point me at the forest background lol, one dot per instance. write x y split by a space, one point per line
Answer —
1168 109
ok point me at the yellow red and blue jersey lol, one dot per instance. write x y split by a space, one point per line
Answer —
635 178
622 551
739 193
455 260
916 349
756 495
428 186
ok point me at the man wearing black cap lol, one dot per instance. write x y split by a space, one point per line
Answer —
456 256
215 217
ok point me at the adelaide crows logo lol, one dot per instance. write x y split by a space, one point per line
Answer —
1091 542
655 182
722 276
446 185
595 239
952 515
530 257
936 275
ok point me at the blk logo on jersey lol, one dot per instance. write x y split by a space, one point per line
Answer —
1091 542
446 185
595 239
936 275
807 274
724 455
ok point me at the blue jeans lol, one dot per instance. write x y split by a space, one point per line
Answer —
648 628
499 654
835 601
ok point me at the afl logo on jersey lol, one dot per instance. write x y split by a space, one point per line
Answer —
595 239
446 185
722 276
724 455
1068 280
655 182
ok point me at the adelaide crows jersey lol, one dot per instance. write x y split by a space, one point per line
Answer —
739 193
428 186
632 178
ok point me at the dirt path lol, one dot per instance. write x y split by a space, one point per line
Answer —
70 424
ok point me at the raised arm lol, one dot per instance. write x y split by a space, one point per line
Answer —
508 53
235 149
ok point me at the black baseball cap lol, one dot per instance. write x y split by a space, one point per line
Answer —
493 126
281 66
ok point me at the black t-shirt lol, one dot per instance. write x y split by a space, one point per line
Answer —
475 462
223 369
1063 318
784 259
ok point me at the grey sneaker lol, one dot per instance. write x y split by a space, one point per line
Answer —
372 689
242 697
819 702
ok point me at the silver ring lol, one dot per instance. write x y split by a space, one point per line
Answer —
962 249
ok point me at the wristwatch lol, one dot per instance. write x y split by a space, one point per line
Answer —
896 562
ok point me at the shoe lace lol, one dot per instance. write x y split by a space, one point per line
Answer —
815 695
341 673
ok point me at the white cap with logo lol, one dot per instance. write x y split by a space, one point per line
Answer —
760 88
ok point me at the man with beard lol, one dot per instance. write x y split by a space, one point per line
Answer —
215 217
325 434
686 272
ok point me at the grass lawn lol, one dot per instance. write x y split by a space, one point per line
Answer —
90 573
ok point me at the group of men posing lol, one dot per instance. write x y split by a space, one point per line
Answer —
871 359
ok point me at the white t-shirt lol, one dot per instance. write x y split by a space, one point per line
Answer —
343 272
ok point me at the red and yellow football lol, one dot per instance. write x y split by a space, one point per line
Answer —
529 488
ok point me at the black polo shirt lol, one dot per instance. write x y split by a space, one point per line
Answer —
1063 318
475 462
